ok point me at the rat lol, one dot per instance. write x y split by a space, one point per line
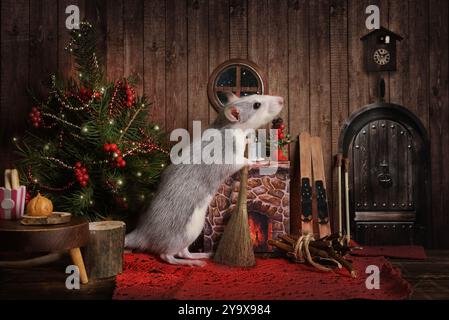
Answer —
177 213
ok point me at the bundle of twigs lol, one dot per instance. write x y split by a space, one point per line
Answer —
325 254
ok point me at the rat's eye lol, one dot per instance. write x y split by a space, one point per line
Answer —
256 105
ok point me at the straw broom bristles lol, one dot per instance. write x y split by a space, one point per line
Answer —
236 247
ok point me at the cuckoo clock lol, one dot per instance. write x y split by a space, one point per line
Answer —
380 50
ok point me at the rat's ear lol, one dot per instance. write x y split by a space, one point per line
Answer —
231 97
232 113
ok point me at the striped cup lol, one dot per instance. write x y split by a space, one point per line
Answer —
12 203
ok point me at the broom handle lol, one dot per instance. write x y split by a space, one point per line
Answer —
243 185
244 174
348 222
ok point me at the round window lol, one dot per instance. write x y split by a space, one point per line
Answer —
241 77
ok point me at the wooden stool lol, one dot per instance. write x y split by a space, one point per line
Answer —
15 237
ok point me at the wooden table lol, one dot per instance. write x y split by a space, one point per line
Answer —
68 237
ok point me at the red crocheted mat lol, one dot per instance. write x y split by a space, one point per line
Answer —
398 252
146 277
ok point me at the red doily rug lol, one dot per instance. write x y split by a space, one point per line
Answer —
399 252
145 277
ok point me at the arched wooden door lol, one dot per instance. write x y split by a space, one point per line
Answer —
388 151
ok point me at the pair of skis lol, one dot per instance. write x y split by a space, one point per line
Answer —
313 181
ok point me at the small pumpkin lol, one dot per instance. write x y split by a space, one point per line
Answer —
39 206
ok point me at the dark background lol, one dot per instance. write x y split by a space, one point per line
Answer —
310 51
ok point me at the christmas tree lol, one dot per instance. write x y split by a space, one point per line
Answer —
92 149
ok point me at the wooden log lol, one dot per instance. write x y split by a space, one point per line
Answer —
104 253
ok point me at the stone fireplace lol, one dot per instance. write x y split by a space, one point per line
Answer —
268 207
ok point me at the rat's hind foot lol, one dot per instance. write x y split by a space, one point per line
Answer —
186 254
201 255
172 260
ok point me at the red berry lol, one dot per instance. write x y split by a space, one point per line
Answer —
113 147
83 170
118 159
121 163
107 147
78 164
129 104
83 183
118 152
36 125
281 136
129 92
86 177
282 126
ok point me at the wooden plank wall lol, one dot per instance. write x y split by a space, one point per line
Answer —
310 51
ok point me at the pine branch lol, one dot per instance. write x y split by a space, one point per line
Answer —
142 106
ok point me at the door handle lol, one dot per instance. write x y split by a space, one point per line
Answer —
384 177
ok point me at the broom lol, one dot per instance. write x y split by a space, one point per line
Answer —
235 247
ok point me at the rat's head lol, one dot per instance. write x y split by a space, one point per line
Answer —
252 112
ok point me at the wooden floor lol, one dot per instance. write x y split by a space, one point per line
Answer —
430 280
48 282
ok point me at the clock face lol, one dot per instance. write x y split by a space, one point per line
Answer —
382 57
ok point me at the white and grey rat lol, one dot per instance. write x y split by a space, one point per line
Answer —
177 213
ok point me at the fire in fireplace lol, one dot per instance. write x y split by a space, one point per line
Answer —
260 228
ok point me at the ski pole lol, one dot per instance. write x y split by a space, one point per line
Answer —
339 158
348 222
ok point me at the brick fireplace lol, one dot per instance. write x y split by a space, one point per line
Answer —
268 207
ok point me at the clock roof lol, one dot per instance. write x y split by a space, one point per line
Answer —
383 31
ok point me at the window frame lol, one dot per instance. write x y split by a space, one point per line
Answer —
212 84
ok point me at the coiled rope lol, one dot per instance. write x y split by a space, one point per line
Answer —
302 254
